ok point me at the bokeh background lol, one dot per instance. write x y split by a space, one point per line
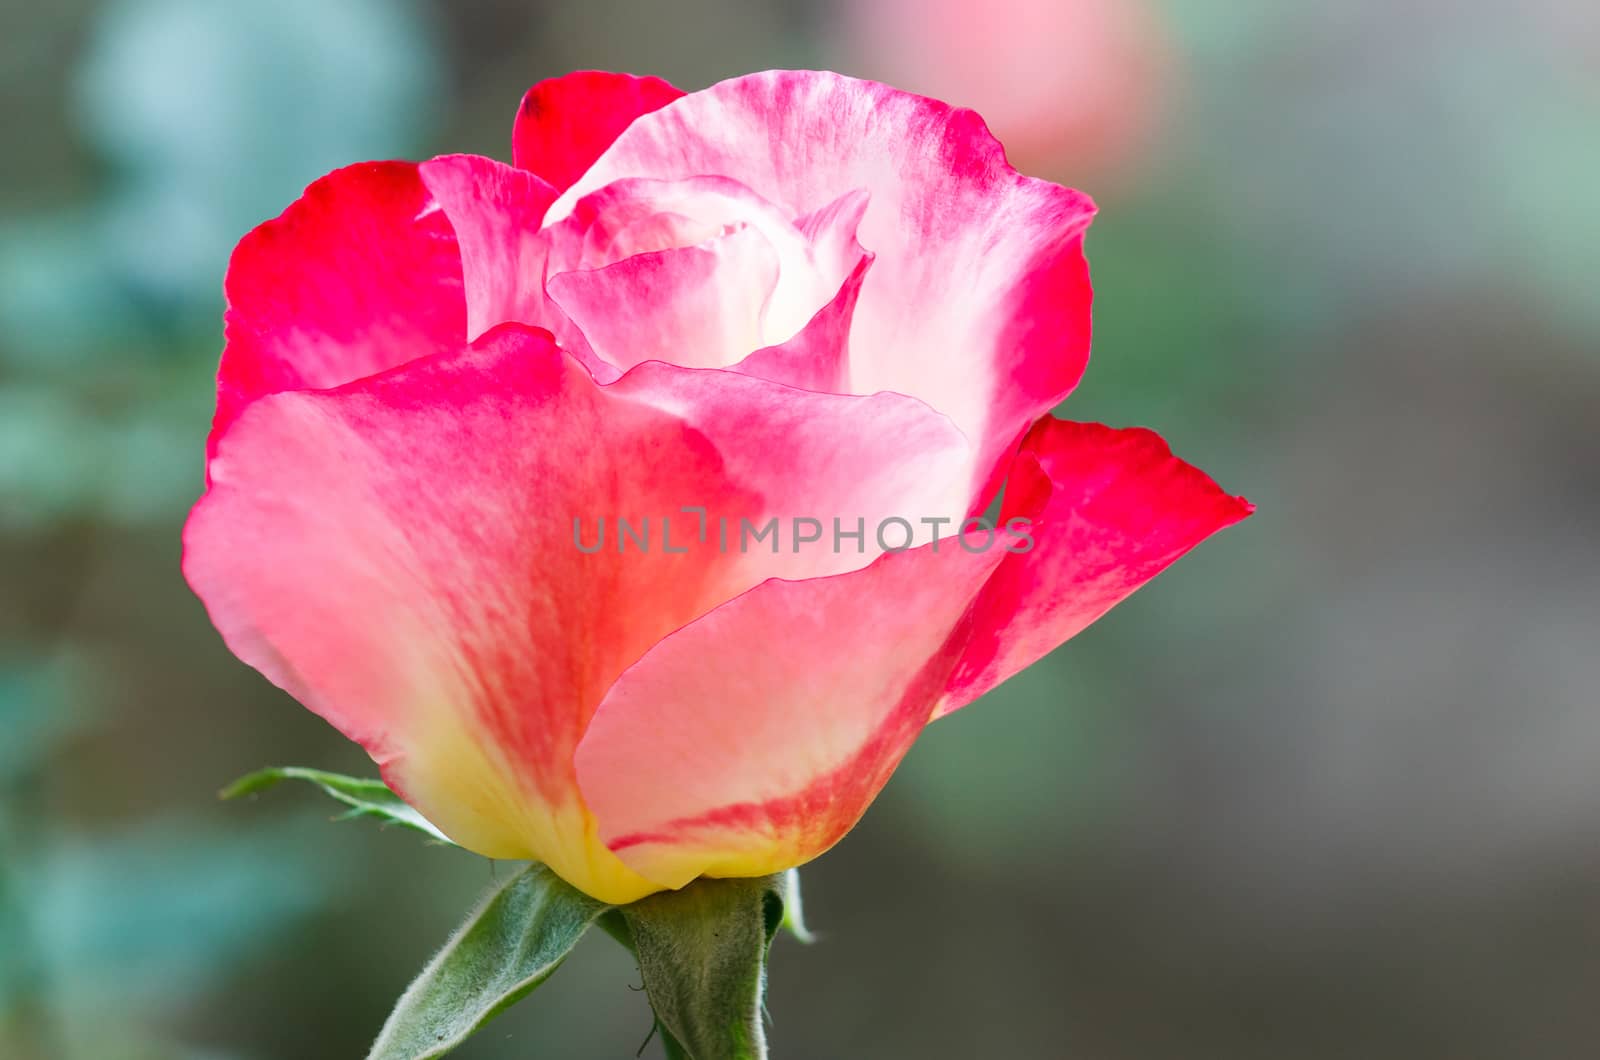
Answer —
1329 788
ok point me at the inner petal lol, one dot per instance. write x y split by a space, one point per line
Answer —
659 231
723 273
697 306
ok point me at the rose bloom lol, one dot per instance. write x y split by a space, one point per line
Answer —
792 295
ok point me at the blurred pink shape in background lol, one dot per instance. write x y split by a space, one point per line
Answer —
1073 88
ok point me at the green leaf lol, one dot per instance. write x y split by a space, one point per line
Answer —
366 798
703 953
519 935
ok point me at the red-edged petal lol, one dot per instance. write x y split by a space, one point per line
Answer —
979 301
360 274
566 122
755 738
1110 510
399 554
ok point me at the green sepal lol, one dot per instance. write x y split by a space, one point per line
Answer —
517 936
792 921
366 798
702 952
794 916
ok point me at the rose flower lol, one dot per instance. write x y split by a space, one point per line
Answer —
623 502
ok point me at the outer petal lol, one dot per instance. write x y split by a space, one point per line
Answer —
979 301
566 122
755 738
820 457
1110 510
387 553
398 554
360 274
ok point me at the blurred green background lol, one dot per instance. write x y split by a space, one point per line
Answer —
1329 788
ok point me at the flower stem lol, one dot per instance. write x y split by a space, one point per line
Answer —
702 952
